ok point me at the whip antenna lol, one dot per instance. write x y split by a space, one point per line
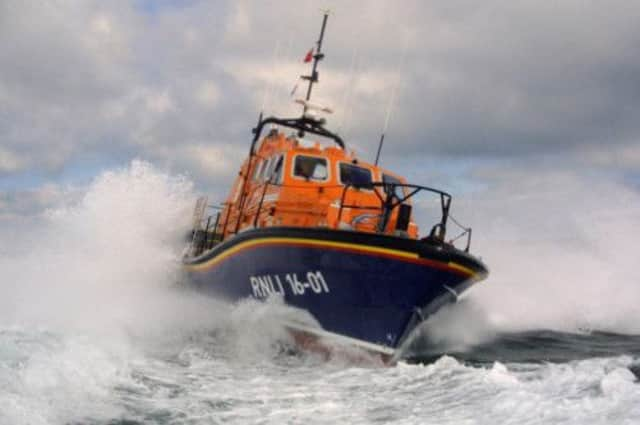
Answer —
392 98
346 94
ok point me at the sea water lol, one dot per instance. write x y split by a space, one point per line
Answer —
93 329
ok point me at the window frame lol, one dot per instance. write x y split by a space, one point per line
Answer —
350 164
399 181
268 178
257 170
264 172
311 180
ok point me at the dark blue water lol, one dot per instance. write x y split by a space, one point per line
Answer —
539 346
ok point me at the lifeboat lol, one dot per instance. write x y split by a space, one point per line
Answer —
332 236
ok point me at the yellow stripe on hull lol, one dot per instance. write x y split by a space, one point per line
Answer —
317 243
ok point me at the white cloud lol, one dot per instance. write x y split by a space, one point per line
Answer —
159 102
101 25
213 160
208 94
33 202
101 79
613 155
10 161
238 26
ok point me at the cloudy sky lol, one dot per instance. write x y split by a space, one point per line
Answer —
488 93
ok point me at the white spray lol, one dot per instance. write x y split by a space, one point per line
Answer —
561 248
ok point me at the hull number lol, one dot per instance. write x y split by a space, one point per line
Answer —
312 282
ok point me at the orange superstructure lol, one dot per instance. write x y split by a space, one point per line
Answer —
297 182
301 175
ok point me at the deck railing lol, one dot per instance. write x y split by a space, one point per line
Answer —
387 195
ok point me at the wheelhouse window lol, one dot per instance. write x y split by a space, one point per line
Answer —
257 171
355 175
398 191
275 171
266 170
310 168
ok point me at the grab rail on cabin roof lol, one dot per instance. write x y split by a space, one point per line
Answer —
304 125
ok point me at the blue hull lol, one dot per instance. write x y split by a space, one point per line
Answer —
368 288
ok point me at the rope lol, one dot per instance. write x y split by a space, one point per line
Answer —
466 229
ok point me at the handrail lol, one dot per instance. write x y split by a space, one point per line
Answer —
259 209
465 231
389 200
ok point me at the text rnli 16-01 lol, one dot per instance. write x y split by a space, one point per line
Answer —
296 284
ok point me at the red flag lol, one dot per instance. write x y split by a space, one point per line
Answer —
309 56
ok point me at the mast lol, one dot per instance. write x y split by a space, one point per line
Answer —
313 78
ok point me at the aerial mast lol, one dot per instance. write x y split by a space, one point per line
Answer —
317 57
